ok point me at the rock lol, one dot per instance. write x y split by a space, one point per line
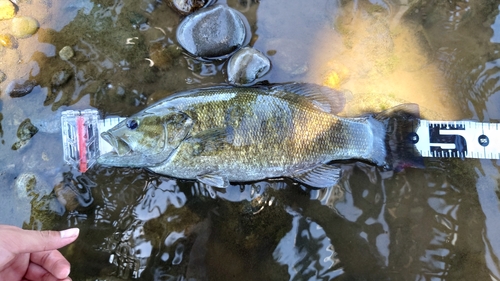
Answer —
2 76
60 78
24 27
8 41
66 53
17 89
214 32
7 10
25 132
185 7
246 66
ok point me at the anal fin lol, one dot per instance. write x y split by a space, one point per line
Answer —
213 179
319 176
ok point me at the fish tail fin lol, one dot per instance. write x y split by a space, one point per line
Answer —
400 124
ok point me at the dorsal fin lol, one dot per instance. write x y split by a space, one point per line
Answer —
323 98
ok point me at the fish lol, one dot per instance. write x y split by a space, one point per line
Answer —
225 134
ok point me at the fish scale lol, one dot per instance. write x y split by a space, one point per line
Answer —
219 135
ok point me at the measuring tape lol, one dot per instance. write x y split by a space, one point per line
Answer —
461 139
446 139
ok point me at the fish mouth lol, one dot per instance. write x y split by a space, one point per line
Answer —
120 147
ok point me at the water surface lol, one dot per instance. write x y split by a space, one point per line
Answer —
437 223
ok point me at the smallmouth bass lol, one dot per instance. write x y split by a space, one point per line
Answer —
220 135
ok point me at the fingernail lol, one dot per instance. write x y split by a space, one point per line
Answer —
69 233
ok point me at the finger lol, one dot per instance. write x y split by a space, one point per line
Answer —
29 241
38 273
52 261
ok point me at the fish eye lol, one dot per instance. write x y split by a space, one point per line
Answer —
132 124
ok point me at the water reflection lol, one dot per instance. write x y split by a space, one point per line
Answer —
439 223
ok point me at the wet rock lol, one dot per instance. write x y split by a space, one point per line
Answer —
8 41
246 66
185 7
25 132
17 89
60 78
2 76
24 27
7 10
66 53
214 32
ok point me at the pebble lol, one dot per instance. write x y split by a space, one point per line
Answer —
3 77
214 32
185 7
25 132
66 53
8 41
18 88
246 66
60 78
7 10
24 27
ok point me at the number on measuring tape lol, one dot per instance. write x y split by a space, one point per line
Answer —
464 139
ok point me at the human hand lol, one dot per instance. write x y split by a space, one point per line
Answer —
33 255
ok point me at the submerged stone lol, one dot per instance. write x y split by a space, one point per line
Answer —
24 27
214 32
66 53
7 10
8 41
185 7
17 89
246 66
60 78
25 132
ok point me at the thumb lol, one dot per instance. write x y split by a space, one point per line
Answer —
30 241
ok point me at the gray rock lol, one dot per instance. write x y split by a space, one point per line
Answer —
246 66
214 32
2 76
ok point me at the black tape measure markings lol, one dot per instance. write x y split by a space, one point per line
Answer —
463 139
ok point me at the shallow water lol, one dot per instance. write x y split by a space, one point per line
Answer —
437 223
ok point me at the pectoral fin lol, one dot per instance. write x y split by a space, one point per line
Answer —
214 179
320 176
